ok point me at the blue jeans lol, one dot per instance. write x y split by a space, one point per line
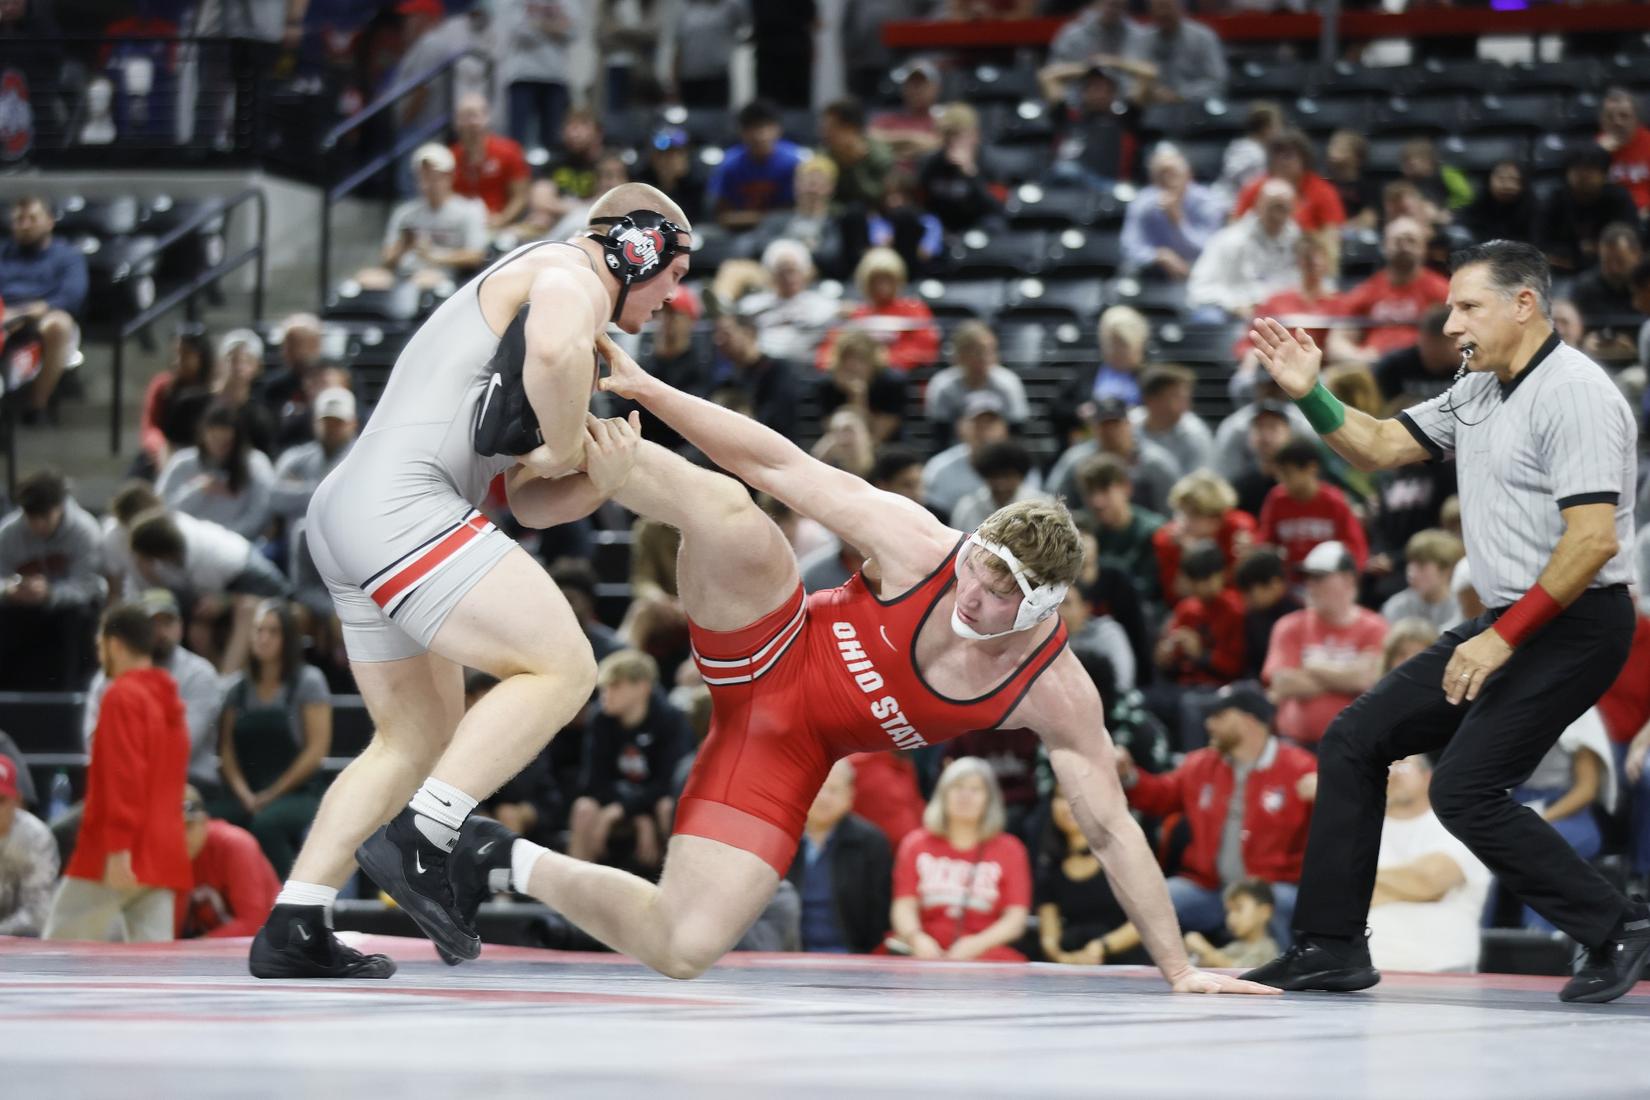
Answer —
1202 910
1580 831
1638 811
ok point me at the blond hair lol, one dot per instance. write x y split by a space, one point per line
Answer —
819 162
861 343
1203 494
628 197
1127 324
1042 534
627 666
1405 632
1435 545
991 822
879 261
954 118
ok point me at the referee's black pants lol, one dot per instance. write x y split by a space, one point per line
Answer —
1489 746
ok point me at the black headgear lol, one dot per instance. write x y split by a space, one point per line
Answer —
637 247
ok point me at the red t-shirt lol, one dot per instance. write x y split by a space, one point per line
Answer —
1399 308
1303 636
1317 203
1296 526
904 327
502 164
1630 167
1218 623
886 793
961 893
235 886
1286 306
1625 708
1237 529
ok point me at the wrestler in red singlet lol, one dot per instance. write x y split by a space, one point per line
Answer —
820 678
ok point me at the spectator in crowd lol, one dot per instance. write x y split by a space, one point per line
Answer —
1171 220
1440 184
1429 559
949 476
234 885
1429 889
858 378
544 212
238 383
300 470
1302 511
1604 295
428 38
1202 643
1245 155
1393 300
573 168
25 783
904 325
606 172
672 168
1246 807
1191 62
909 131
1576 777
975 368
962 885
197 683
1123 334
954 182
288 387
1567 322
1289 158
1203 506
629 37
129 862
435 237
488 166
577 580
757 176
1262 581
886 793
1098 637
1423 369
1406 638
1005 468
1122 529
1248 261
1096 129
862 162
705 33
1152 469
1102 30
809 222
1076 909
898 470
681 355
535 40
50 557
222 479
1248 440
42 283
1504 208
199 558
176 397
131 500
897 221
829 566
28 860
846 443
1627 140
769 385
1345 163
275 730
1165 417
843 871
631 749
1250 907
1568 225
793 316
1323 657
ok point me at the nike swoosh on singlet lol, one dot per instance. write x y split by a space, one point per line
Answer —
884 632
497 381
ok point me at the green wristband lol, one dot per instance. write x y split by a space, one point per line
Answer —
1323 410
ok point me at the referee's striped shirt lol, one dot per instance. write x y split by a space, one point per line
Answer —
1558 435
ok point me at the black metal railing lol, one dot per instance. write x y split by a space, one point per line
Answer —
188 292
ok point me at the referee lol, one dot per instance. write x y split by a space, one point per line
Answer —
1547 453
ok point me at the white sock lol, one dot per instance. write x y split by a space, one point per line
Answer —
524 856
441 809
294 892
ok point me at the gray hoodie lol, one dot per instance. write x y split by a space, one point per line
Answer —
71 558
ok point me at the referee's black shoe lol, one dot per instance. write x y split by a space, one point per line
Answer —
1614 966
295 942
408 867
1319 963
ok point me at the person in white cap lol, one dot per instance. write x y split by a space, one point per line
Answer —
300 470
439 235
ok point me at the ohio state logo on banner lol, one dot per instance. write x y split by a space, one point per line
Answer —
16 116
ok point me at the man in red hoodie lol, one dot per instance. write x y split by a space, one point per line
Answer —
1247 801
130 860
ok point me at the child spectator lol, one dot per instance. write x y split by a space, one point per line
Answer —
1249 909
28 860
962 886
1302 512
235 886
1123 531
1202 643
1262 583
1429 559
1205 507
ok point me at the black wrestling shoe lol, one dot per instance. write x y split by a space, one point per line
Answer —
413 871
1330 966
478 868
1613 967
295 942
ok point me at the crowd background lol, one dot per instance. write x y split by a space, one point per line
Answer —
963 296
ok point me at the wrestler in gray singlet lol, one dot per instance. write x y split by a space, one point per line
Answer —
395 530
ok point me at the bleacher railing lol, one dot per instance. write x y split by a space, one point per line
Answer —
188 293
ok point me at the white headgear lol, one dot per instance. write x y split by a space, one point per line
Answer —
1039 603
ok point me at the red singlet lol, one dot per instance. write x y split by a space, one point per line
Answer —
815 680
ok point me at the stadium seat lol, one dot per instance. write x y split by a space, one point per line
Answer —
1427 114
1004 255
1208 118
1034 207
1081 252
1051 303
1479 152
1156 299
1016 164
101 218
991 84
1436 75
1360 254
981 298
350 301
1565 77
1320 116
1019 345
1205 157
1509 113
1257 79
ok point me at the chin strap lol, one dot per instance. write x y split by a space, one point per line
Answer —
1038 603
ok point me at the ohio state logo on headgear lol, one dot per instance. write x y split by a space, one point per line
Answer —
642 247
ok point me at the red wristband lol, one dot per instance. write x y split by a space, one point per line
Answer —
1534 610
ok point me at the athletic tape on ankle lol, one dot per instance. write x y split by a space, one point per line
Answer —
1323 409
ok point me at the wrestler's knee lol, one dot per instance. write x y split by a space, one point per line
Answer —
688 956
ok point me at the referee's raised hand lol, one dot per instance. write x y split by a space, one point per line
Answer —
1292 359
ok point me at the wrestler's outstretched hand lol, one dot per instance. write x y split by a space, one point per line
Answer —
1192 980
610 450
624 377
